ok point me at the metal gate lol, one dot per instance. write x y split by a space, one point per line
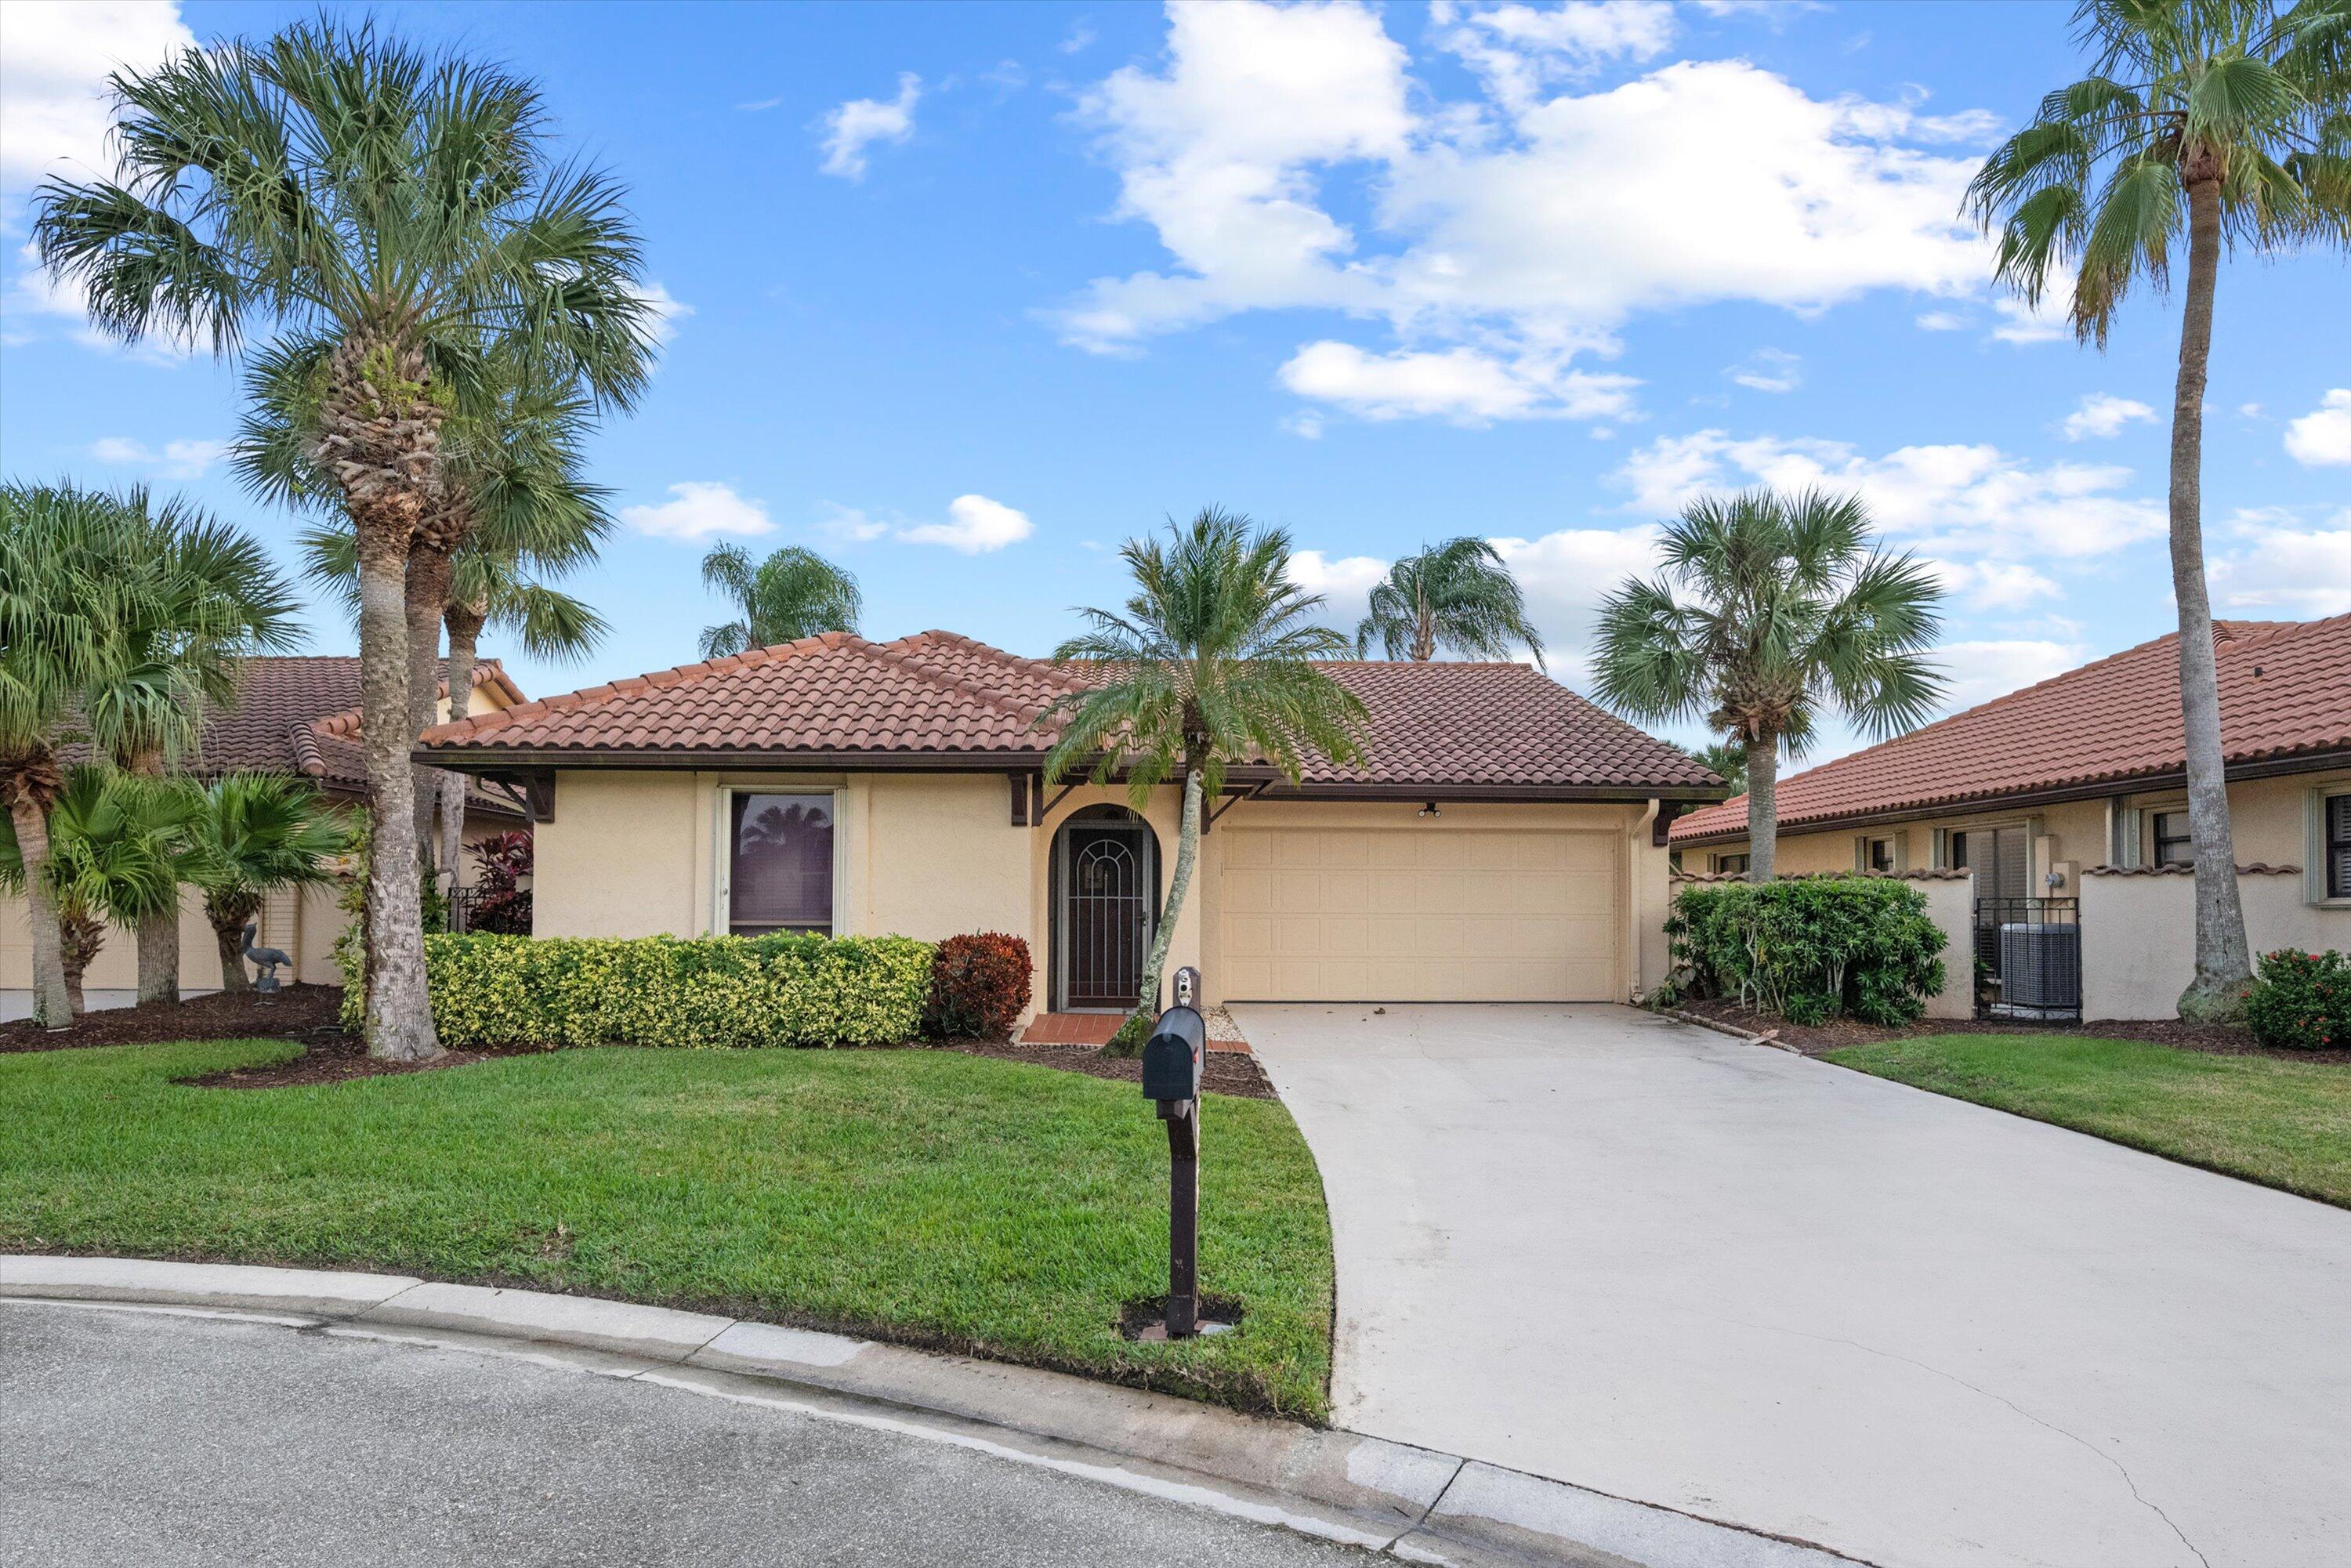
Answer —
2028 959
1106 909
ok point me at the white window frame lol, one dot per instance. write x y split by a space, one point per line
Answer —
722 840
2313 860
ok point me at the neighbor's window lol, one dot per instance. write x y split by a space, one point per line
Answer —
780 874
2172 844
2338 846
1881 855
1726 864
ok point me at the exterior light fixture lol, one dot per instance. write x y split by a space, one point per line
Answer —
1430 810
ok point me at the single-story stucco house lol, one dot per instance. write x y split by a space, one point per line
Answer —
2075 790
297 714
1504 839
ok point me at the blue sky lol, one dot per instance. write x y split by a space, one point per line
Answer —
963 295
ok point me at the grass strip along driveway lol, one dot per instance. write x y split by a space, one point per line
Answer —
984 1207
2283 1123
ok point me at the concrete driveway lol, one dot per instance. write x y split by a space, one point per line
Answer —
1658 1262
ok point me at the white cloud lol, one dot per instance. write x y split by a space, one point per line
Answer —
2104 415
33 305
1941 321
1345 583
1994 584
2323 436
1286 159
1463 384
1080 36
698 508
54 63
1769 371
1950 500
2279 564
667 309
2021 323
853 524
975 525
1978 671
178 460
856 125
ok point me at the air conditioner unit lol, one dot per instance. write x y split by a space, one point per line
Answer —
2041 967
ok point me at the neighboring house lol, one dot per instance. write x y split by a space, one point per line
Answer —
2054 789
1501 844
293 715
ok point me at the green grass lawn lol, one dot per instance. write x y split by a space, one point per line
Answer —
2285 1123
981 1206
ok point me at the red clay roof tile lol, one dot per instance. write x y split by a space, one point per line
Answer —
2285 688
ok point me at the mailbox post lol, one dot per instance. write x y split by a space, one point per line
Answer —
1171 1079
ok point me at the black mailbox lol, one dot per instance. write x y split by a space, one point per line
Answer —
1171 1058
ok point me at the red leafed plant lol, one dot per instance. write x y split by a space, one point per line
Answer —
500 903
979 984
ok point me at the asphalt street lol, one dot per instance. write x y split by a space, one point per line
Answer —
168 1440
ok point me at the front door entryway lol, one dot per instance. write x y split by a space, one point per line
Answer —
1108 876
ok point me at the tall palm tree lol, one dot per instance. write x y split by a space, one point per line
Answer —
2227 123
118 845
1457 595
254 834
793 594
208 599
394 215
1725 760
1770 612
1210 662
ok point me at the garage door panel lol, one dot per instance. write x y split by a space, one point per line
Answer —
1429 913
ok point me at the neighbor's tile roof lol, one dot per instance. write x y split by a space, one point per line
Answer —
2285 688
301 714
936 693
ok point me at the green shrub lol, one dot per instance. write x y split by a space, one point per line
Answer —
979 987
664 990
2302 1001
1809 949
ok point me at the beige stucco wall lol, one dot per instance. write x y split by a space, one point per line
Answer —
2139 936
931 855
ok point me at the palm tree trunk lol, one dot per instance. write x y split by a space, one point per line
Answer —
2223 966
425 593
1762 806
230 934
157 935
80 937
465 633
399 1012
1187 850
53 1005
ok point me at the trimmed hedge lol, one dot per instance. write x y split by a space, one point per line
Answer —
2302 1001
780 990
979 987
1809 949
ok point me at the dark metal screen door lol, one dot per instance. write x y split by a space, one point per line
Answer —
1106 908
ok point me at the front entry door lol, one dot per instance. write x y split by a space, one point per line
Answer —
1106 911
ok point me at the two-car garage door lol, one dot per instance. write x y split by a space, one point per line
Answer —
1420 914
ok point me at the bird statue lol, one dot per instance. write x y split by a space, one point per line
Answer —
265 959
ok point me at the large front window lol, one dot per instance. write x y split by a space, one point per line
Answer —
2338 846
779 870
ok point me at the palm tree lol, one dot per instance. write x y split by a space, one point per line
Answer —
1210 663
793 594
256 834
1724 759
394 217
118 848
1456 595
1772 611
206 597
2227 122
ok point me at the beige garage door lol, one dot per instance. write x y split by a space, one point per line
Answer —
1420 914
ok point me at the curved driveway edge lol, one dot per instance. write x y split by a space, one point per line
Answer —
1418 1504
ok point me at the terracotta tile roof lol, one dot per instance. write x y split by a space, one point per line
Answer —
2286 688
937 694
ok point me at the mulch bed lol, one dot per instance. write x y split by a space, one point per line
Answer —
297 1013
1815 1039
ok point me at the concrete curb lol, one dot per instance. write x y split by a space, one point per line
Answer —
1416 1503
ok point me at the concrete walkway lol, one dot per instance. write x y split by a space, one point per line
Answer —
1656 1262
